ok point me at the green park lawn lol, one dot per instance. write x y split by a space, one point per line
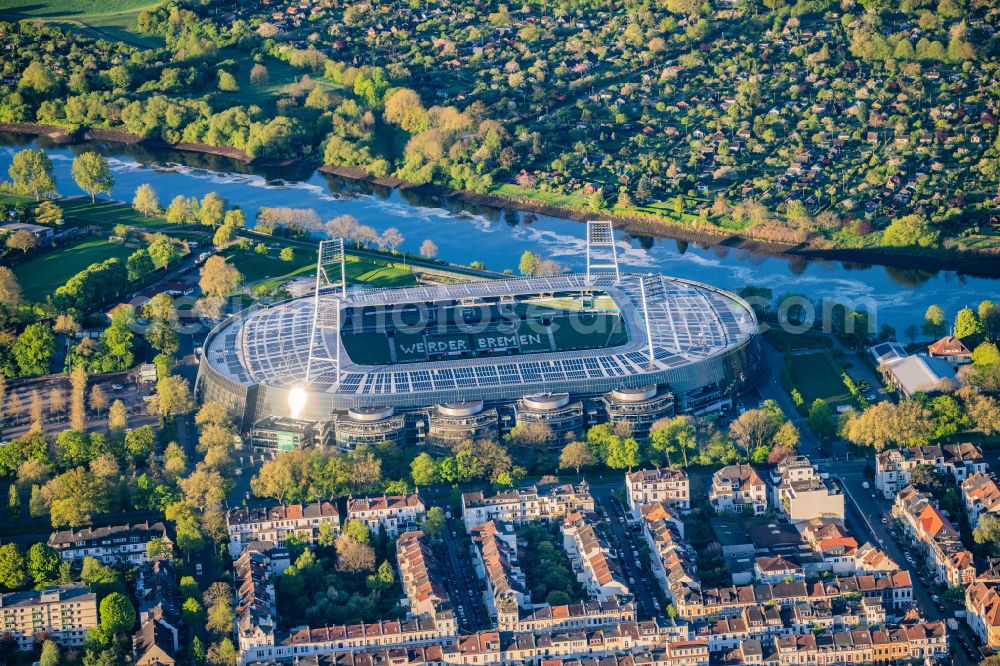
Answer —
816 376
103 19
785 341
270 270
42 275
110 213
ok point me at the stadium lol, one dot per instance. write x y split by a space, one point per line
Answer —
443 363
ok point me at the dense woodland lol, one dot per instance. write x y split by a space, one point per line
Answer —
853 124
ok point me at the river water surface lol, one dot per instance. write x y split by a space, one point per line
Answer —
498 237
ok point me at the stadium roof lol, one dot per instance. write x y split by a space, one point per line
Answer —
688 321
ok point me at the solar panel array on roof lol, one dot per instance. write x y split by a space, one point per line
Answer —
687 322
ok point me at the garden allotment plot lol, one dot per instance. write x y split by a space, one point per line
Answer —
420 332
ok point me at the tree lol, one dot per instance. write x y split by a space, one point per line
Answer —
967 324
10 290
883 424
576 456
623 452
34 349
596 200
934 322
528 265
259 75
50 654
22 240
173 397
224 235
821 420
987 533
673 435
36 415
986 355
428 249
925 477
753 429
276 478
435 522
423 470
141 442
227 82
43 563
224 652
146 201
391 238
989 318
212 210
30 173
910 231
98 399
117 613
531 435
354 557
234 218
13 569
48 213
78 412
218 278
286 254
92 173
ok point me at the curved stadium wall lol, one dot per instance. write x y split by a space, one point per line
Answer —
702 337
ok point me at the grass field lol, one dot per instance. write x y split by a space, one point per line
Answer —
588 331
785 341
44 274
269 270
816 376
104 19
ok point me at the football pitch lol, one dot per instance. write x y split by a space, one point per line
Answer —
563 331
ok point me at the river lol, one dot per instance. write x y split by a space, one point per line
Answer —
497 238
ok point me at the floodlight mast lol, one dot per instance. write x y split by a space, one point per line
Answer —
326 315
601 235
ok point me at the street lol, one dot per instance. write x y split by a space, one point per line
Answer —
641 581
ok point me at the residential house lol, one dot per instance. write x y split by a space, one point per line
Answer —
982 607
738 488
592 557
664 484
520 505
981 495
393 513
277 523
921 518
423 579
111 545
951 349
800 493
893 467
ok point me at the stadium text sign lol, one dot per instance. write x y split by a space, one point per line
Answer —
506 341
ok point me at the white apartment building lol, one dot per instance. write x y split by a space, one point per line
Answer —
275 524
740 489
111 545
394 513
521 505
801 494
664 484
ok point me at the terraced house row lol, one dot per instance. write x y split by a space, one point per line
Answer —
922 519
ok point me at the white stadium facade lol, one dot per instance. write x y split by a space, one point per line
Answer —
438 364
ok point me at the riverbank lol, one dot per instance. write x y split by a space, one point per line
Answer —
62 136
970 262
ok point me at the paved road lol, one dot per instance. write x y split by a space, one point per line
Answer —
864 514
465 589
